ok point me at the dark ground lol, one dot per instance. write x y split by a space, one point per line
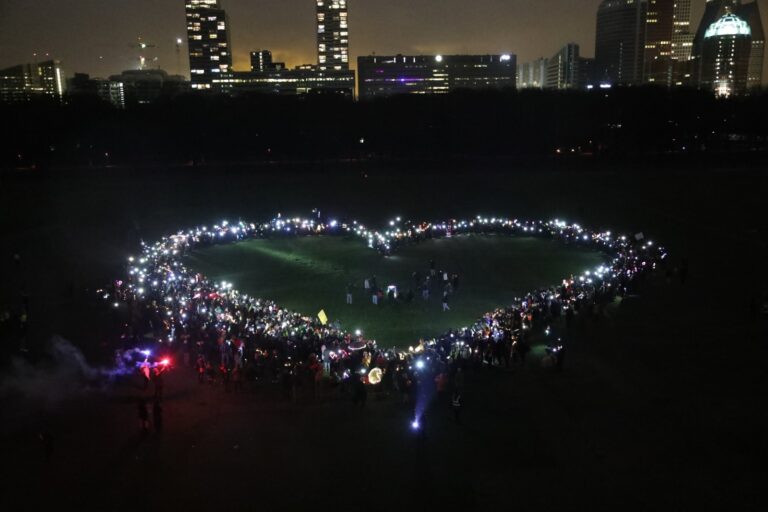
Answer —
658 408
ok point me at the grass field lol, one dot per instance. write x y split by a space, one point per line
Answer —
311 273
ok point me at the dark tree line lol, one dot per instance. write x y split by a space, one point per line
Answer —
623 123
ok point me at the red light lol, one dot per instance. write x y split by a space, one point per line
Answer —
165 362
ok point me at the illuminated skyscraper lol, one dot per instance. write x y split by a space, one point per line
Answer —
682 37
332 35
563 68
750 13
27 81
725 56
210 55
668 41
619 41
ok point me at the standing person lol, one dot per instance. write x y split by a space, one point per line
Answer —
560 359
441 384
157 416
456 405
432 267
458 380
237 379
158 380
146 373
349 293
445 302
455 282
367 284
143 416
200 368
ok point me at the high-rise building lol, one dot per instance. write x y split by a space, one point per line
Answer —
433 74
332 35
81 85
657 60
725 56
619 41
261 60
750 13
26 81
210 54
563 68
713 10
668 41
143 86
532 75
682 37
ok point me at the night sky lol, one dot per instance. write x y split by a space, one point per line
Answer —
94 36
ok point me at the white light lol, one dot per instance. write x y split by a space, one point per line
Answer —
506 57
439 58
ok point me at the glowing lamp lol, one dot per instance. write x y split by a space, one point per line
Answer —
374 376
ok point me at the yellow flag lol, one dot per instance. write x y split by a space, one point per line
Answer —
323 317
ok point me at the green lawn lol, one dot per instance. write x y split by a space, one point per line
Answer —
311 273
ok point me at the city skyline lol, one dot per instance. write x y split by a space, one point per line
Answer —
289 32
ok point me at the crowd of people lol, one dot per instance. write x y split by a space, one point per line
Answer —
426 285
235 339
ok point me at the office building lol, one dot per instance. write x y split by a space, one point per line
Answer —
433 74
751 14
563 68
619 41
332 35
725 56
210 55
306 79
261 60
144 86
532 75
668 42
748 12
81 85
28 81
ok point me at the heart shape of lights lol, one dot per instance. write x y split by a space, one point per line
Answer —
182 297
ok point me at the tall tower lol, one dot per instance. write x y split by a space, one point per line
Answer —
210 56
657 61
751 14
667 41
619 41
332 35
682 37
748 12
725 55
